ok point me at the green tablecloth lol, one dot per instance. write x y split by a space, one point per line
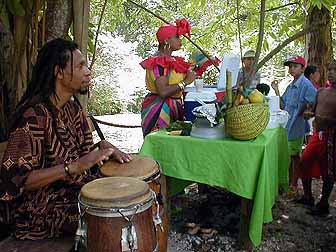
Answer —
252 169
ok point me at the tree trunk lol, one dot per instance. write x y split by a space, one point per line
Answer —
319 42
81 10
58 18
16 54
21 66
7 88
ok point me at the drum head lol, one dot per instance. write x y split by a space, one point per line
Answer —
116 192
140 167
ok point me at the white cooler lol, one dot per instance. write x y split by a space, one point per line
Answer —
191 101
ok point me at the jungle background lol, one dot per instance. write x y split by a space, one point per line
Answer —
276 29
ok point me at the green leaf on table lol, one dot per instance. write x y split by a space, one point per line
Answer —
179 125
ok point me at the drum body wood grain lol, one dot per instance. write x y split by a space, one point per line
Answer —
148 170
118 214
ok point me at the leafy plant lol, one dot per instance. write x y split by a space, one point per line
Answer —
134 105
214 22
104 100
10 7
104 96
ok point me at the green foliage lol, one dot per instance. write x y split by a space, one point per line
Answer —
214 23
329 4
4 17
134 105
10 7
15 7
104 100
104 97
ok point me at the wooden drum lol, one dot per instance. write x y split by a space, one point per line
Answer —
148 170
118 215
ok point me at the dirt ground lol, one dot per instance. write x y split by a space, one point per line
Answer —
292 228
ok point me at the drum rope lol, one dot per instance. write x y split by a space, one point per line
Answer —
117 125
159 197
130 238
113 209
81 232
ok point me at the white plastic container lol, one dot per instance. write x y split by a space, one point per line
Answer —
201 128
278 119
274 104
199 85
230 62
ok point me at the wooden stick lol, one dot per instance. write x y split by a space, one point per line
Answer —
165 21
97 33
36 24
241 51
44 22
283 44
260 36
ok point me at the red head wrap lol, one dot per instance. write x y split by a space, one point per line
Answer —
166 31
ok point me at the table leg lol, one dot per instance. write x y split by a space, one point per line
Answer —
163 235
245 242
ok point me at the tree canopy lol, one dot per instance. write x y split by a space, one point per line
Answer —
214 23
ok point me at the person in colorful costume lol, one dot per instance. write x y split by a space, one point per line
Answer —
310 161
318 159
50 150
166 78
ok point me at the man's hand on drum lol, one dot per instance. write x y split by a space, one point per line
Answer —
87 161
120 156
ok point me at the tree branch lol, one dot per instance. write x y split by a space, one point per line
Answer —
165 21
97 33
282 6
239 33
149 11
282 45
261 33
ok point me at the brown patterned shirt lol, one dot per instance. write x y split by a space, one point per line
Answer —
34 145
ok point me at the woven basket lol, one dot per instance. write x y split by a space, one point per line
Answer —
245 122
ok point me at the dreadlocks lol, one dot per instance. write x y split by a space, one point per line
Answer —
42 86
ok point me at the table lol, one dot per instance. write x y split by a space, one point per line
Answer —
252 169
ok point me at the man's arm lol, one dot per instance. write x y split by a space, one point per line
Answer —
39 178
310 99
323 123
22 167
275 86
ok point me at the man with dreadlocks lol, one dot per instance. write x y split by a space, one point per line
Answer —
50 149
